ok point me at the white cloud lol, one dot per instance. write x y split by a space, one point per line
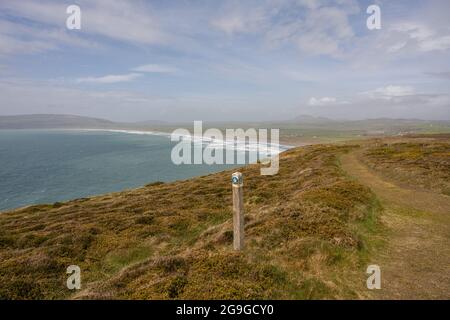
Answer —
425 37
320 30
242 19
125 21
116 78
155 68
409 37
230 24
317 27
314 27
326 31
325 101
390 92
120 20
389 101
19 38
310 4
109 78
11 45
437 43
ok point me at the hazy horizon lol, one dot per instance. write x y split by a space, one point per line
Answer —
156 121
270 60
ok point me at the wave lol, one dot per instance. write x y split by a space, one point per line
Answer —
264 149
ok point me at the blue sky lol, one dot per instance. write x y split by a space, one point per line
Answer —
226 60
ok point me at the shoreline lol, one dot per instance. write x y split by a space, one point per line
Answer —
136 132
205 141
226 143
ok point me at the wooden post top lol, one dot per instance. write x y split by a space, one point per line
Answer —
237 180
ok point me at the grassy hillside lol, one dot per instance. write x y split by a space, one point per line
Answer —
46 121
310 231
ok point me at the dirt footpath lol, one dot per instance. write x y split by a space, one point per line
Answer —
416 261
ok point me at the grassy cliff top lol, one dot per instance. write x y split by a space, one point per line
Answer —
309 234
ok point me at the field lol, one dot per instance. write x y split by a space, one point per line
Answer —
311 231
310 130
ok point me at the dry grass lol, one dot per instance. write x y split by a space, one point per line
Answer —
420 162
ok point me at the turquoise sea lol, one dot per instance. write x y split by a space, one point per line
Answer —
45 166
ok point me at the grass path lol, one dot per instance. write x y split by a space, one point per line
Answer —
415 263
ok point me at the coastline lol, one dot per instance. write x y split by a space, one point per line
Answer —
205 142
227 144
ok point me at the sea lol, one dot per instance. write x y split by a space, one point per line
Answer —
47 166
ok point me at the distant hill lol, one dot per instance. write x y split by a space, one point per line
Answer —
46 121
304 118
380 122
386 125
67 121
150 123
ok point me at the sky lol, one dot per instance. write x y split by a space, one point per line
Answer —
250 60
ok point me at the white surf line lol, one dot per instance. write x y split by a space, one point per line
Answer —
271 148
153 133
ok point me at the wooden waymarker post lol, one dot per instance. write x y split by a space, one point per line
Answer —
238 211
